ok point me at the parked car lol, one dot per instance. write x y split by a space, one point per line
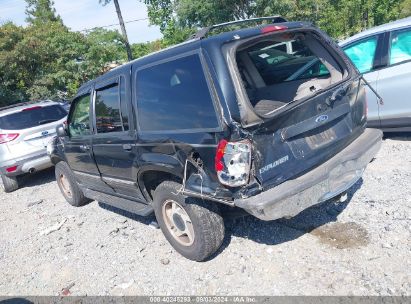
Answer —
219 121
65 105
25 130
383 55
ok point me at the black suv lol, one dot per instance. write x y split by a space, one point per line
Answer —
270 119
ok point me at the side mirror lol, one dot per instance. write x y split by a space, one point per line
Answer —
61 131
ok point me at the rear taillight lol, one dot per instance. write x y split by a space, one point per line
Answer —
273 28
11 169
233 162
8 137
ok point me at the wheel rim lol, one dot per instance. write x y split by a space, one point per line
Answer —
178 223
65 186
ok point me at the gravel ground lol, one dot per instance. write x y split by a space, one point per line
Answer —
360 247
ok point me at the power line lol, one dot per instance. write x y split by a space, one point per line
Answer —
114 24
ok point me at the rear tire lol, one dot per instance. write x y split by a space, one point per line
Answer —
192 226
68 185
10 184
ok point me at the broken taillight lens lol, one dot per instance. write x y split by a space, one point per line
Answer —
8 137
233 162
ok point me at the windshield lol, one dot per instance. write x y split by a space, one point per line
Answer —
31 117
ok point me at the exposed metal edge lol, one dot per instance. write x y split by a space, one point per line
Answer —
208 197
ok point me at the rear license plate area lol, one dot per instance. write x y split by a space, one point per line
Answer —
313 143
321 139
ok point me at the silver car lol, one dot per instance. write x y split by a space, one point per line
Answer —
383 55
25 131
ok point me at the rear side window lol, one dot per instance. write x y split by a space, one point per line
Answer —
362 53
32 117
400 46
175 96
107 107
79 120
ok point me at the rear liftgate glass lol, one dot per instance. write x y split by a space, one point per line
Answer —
297 101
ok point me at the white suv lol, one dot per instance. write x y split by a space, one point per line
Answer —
383 55
25 131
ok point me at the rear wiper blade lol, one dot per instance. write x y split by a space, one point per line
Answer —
42 122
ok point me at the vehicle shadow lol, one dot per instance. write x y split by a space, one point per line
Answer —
402 136
241 224
146 220
16 301
36 178
285 230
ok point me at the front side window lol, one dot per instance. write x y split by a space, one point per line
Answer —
400 46
79 121
107 109
362 53
175 96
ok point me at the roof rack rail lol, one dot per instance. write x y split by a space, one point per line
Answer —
204 31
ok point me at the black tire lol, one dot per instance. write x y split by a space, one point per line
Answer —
10 184
205 218
71 191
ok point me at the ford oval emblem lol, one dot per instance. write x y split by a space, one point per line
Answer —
44 133
321 118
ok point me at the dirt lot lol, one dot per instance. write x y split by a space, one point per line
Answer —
360 247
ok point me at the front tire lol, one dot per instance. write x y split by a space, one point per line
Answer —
192 226
10 184
68 185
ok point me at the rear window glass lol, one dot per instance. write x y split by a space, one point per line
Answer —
285 61
175 96
32 117
278 70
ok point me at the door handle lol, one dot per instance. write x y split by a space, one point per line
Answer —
127 147
84 147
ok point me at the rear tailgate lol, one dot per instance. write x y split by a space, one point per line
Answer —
300 98
310 133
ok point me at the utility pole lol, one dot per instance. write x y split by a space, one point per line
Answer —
123 30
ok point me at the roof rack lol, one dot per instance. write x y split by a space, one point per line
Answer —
204 31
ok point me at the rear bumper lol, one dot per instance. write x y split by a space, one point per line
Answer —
38 161
318 185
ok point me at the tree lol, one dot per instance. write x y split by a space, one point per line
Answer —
339 18
41 11
405 9
122 26
102 47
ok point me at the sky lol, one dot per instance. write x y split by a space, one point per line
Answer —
85 14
